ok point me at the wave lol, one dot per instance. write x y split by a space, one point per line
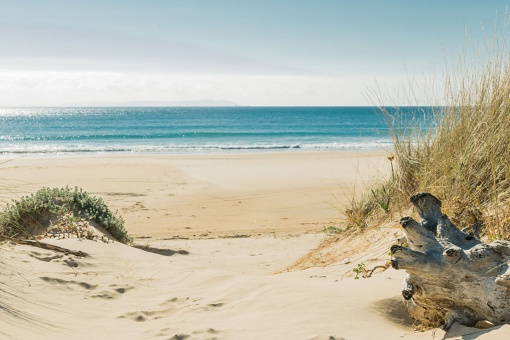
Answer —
77 149
181 135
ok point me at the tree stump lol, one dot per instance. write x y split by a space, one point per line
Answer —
452 275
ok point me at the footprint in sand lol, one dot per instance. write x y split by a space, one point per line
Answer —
150 314
179 337
112 292
164 309
95 291
68 283
147 315
213 306
135 207
45 258
208 334
71 262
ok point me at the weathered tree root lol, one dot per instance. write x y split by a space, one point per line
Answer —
452 275
43 245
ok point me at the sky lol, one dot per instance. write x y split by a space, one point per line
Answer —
258 53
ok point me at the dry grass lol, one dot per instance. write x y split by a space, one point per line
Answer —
459 151
463 156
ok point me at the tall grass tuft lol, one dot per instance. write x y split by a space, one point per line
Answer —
464 157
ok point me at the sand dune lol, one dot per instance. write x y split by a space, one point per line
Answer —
208 286
209 291
121 292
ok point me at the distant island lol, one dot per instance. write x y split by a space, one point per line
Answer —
149 103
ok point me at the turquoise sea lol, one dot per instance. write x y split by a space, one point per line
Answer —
190 129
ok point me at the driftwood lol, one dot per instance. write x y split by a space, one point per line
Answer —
452 275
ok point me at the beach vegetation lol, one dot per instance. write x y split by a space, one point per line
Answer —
360 269
459 149
34 214
332 230
381 196
359 211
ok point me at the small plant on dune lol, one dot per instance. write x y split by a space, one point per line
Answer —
33 214
382 197
332 230
359 211
360 269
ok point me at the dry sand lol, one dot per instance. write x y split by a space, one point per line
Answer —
209 195
199 284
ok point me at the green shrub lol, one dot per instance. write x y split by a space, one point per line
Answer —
35 212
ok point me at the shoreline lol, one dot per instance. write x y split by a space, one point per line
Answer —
226 152
208 195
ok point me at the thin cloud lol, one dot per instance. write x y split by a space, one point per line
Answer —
43 88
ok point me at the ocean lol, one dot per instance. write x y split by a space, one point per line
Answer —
74 130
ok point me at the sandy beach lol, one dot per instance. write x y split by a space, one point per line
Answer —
224 234
209 195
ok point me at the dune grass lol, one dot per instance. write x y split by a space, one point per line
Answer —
459 151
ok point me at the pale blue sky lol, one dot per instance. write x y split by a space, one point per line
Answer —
295 52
